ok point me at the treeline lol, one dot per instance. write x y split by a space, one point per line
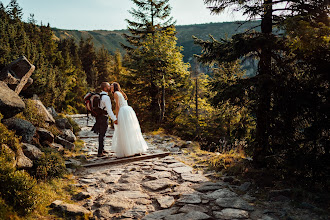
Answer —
64 70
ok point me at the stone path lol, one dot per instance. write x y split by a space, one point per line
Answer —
158 188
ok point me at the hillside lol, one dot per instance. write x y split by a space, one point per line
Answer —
111 39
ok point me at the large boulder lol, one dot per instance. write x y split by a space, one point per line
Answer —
31 151
52 111
22 161
45 135
17 74
10 103
22 127
68 135
47 117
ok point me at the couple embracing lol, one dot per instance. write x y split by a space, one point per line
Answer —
127 139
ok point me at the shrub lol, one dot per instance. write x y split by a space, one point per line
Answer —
50 165
8 137
74 125
32 114
17 187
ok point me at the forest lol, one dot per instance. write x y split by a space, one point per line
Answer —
279 116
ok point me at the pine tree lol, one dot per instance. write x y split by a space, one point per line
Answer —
151 16
266 46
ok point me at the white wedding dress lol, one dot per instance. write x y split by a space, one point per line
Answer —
127 139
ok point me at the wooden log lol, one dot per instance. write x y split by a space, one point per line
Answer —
126 159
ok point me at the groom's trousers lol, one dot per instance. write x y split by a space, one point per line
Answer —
100 127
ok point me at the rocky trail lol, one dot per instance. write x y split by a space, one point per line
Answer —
160 188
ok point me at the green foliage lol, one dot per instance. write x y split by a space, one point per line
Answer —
17 188
157 70
288 96
50 165
8 137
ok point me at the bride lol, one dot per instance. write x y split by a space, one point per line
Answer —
127 138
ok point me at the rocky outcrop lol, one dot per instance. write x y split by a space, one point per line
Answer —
31 151
10 103
42 111
22 127
17 74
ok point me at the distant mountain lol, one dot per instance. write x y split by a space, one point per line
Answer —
111 39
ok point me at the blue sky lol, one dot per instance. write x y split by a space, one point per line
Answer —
110 14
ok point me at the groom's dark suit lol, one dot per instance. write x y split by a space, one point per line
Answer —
101 125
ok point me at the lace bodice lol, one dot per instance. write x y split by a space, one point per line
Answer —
122 101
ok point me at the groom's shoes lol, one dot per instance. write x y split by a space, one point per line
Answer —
101 155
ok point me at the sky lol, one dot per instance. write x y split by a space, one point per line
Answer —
111 14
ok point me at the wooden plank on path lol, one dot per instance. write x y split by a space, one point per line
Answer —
127 159
84 137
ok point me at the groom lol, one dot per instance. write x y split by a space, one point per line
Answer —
101 124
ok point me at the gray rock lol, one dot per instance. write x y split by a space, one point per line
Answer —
196 215
68 135
136 212
245 186
176 164
190 199
22 162
31 151
66 144
10 103
231 214
22 127
221 193
42 111
195 178
71 209
63 123
282 192
190 208
52 111
174 149
116 203
111 179
237 203
159 175
81 196
180 216
183 169
127 186
165 201
160 214
72 163
209 186
45 135
159 184
131 194
132 177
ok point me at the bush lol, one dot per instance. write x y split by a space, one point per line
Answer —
74 125
8 137
32 114
17 187
50 165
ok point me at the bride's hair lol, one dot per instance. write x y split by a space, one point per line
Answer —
116 87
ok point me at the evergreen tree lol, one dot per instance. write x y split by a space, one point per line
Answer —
157 69
151 16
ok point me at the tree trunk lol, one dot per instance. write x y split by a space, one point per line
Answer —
197 113
162 110
264 92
